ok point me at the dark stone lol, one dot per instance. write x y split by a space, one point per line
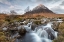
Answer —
33 27
50 35
22 31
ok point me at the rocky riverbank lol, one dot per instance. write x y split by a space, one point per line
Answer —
11 30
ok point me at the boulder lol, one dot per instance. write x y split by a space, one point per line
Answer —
22 31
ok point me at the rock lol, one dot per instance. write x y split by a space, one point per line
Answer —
22 31
33 26
50 34
55 26
5 29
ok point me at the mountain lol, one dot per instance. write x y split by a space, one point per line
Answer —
39 9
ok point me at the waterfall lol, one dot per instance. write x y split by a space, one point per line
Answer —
46 33
36 38
28 27
40 34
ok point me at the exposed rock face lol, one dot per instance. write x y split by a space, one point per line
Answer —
39 9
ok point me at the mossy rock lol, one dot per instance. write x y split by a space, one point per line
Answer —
37 22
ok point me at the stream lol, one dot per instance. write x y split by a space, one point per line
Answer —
40 34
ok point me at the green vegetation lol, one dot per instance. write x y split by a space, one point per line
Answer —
37 22
61 33
3 37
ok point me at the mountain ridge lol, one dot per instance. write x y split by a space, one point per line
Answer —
39 9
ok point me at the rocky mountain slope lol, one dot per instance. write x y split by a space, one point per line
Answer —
39 9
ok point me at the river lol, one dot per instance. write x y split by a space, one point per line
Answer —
40 34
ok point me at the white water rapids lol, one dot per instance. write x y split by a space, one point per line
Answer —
40 34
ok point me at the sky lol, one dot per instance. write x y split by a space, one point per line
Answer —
57 6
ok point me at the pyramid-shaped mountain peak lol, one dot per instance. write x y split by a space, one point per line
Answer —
40 9
40 6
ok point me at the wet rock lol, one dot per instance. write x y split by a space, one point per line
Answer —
13 29
33 26
22 31
50 33
5 29
51 36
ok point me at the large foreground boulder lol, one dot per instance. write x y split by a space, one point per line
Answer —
22 31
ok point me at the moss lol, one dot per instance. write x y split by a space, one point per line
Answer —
37 22
2 36
59 39
61 33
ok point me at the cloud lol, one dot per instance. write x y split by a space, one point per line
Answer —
58 9
18 9
62 3
5 2
11 7
62 7
20 5
15 7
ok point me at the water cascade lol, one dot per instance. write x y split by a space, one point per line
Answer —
40 34
46 33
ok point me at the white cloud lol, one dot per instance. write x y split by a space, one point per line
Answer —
11 7
5 2
20 5
58 9
15 7
55 4
62 7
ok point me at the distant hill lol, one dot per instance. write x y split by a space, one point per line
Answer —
42 11
36 15
39 9
48 15
2 16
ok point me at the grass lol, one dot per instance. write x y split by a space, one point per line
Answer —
61 33
2 37
37 22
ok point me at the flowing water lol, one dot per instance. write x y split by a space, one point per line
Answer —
40 34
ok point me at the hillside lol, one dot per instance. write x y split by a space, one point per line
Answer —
48 15
2 16
42 11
